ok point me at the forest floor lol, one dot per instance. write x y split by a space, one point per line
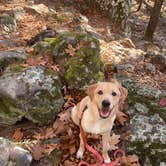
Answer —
63 128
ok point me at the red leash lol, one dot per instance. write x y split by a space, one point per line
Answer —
96 153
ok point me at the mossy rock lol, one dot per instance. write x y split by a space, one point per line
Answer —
81 69
33 93
147 122
11 57
150 154
147 138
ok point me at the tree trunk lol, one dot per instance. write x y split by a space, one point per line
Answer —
153 20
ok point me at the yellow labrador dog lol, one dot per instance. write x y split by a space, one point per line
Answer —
100 108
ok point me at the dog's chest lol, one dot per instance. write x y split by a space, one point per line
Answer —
97 126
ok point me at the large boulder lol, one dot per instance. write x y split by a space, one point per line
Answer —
147 122
33 93
11 154
77 54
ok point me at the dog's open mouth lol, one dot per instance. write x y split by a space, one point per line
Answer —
105 112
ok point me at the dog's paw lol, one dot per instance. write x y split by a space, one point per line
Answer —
107 160
79 155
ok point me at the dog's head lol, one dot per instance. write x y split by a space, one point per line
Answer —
106 96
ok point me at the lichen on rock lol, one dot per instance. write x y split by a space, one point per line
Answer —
147 122
32 93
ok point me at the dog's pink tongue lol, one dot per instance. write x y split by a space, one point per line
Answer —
104 113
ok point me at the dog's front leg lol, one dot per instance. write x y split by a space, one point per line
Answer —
106 147
81 149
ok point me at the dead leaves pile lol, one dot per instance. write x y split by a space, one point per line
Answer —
42 61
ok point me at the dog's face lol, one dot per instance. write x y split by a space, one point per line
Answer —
106 96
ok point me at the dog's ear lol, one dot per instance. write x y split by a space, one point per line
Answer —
123 91
90 90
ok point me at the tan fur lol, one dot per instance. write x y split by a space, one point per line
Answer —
92 122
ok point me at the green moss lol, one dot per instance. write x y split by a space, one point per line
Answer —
154 151
16 68
85 67
43 111
40 115
9 113
50 72
153 105
55 156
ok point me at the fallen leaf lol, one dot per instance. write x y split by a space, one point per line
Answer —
69 102
125 161
131 160
70 50
18 135
126 135
48 148
163 102
70 132
80 45
72 149
64 116
54 67
50 133
59 126
39 136
37 150
121 117
36 61
114 140
69 163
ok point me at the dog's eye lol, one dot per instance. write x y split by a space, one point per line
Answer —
100 92
114 94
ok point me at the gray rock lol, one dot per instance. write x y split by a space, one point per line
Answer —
144 91
8 43
10 57
11 154
48 33
33 93
8 23
147 162
141 108
37 9
86 28
81 19
147 122
150 68
162 164
126 67
144 128
160 60
148 139
148 91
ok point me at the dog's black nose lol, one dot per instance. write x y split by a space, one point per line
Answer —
106 103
